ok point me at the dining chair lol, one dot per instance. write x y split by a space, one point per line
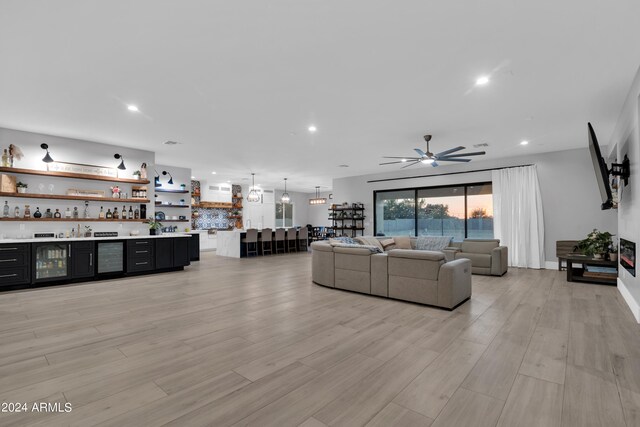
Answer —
303 239
251 238
266 239
280 237
292 235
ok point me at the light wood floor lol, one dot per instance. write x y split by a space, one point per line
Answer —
254 342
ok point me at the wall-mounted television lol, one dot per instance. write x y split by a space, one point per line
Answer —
600 168
628 256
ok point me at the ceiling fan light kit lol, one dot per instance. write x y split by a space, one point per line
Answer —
428 158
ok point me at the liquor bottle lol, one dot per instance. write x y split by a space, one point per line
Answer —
5 210
37 213
67 213
136 214
101 215
27 211
16 212
5 159
115 213
109 215
57 215
75 212
130 213
124 212
48 214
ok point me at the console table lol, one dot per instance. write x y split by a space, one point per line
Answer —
579 274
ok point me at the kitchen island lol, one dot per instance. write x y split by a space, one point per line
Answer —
36 262
230 243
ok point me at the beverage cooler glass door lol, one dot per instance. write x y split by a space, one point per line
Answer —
51 261
110 257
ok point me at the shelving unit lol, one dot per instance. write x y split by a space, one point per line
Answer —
340 217
164 190
71 220
72 175
67 197
164 205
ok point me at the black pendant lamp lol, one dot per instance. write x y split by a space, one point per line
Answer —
47 158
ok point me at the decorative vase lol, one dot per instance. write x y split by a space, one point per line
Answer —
22 190
613 256
597 256
152 232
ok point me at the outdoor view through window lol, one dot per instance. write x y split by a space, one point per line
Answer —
459 211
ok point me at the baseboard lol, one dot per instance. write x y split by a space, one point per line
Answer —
631 302
551 265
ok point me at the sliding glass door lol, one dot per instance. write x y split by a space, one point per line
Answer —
479 212
441 212
396 213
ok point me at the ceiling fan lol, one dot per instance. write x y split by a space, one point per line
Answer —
450 155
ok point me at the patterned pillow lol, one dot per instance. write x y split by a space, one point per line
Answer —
433 243
387 244
337 240
370 240
373 249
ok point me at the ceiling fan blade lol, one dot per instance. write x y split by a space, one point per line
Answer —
407 158
417 162
452 150
434 164
420 152
475 153
453 159
390 163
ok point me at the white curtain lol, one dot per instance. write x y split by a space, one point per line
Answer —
517 215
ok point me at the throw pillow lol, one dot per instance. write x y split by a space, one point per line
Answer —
402 242
373 249
388 244
372 241
433 243
337 240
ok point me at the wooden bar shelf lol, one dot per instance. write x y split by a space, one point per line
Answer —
69 197
160 190
171 206
72 175
72 220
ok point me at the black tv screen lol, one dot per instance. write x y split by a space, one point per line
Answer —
600 168
628 256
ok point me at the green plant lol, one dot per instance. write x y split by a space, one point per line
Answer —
597 242
137 173
154 225
21 184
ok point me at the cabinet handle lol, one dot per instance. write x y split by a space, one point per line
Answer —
91 260
142 263
9 275
142 243
141 252
8 260
8 249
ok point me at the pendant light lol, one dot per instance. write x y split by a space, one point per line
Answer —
285 196
170 182
47 158
318 200
253 195
121 166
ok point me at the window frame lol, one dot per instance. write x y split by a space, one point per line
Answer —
284 211
415 198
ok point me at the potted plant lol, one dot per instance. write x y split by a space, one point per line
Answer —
154 227
596 244
613 252
87 231
22 187
137 174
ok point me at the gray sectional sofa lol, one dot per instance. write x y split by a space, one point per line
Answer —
410 275
486 255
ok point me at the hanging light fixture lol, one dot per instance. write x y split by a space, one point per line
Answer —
318 200
47 158
156 180
121 166
285 196
170 182
253 195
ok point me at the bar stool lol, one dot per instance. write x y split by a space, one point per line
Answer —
292 234
266 238
280 237
303 239
251 237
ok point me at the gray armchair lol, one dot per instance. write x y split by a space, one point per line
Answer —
486 255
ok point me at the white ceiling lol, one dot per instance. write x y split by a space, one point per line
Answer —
238 83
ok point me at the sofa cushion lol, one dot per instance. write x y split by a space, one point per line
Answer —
357 247
478 260
352 261
388 244
433 243
479 246
322 246
411 254
372 241
402 242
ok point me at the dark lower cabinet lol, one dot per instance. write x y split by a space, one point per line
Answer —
82 260
164 253
181 254
15 265
194 247
140 255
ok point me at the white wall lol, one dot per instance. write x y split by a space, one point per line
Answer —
570 196
319 214
180 176
626 138
77 151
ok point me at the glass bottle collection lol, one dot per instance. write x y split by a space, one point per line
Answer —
124 214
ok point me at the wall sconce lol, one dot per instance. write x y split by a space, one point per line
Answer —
156 180
47 158
170 182
121 166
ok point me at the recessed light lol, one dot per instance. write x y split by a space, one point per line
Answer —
524 142
426 161
481 81
229 181
312 129
133 108
343 166
213 173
